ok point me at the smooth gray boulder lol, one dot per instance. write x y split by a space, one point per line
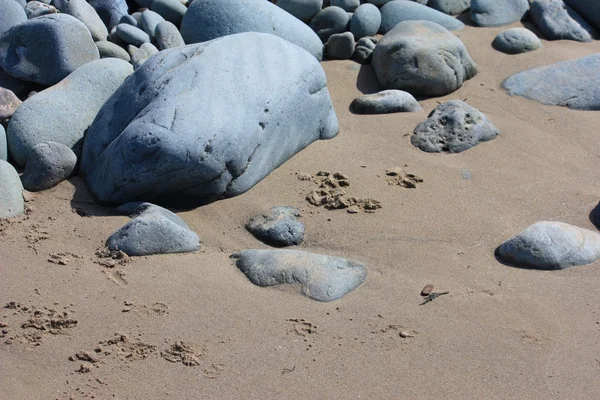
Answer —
320 277
111 50
46 49
3 145
422 58
11 192
398 11
48 164
385 102
149 21
63 112
12 14
550 245
572 83
153 230
278 227
588 9
346 5
329 21
209 19
557 21
497 13
304 10
131 35
9 102
363 53
450 7
168 36
365 21
516 41
171 10
340 46
84 12
110 11
453 127
170 135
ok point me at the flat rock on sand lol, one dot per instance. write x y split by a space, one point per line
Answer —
279 227
551 245
322 278
384 102
11 192
572 83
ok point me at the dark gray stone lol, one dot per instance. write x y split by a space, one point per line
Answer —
46 49
346 5
363 53
9 102
110 50
149 21
110 11
209 19
572 83
132 35
451 7
3 146
48 164
340 46
304 10
168 36
278 227
549 245
497 13
17 86
329 21
11 192
398 11
588 9
63 112
385 102
84 12
171 10
322 278
170 135
423 58
154 230
37 9
12 14
365 21
453 127
516 41
557 21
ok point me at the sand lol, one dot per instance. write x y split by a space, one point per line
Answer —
500 332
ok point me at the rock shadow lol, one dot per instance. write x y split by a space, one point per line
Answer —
595 216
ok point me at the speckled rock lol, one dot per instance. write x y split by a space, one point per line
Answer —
168 36
84 12
365 21
110 50
516 41
48 164
11 192
304 10
9 102
278 227
340 46
329 21
557 21
497 13
385 102
398 11
12 14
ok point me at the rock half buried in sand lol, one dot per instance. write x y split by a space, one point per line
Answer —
48 164
154 230
422 58
516 41
496 12
278 227
398 11
558 21
572 83
453 127
551 245
322 278
11 192
384 102
170 135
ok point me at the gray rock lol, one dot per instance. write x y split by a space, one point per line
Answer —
385 102
398 11
278 227
340 46
516 41
378 3
589 9
329 21
557 21
549 245
11 192
266 100
154 230
48 164
422 58
63 112
37 9
141 55
128 19
84 12
9 102
132 35
3 146
453 127
304 10
365 21
363 53
210 19
110 11
572 83
347 5
451 7
322 278
497 13
171 10
12 14
168 36
46 49
149 21
111 50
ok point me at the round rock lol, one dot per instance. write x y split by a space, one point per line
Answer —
278 227
171 10
48 164
12 14
149 21
168 36
385 102
132 35
329 21
84 12
365 21
340 46
110 50
347 5
11 192
9 102
516 41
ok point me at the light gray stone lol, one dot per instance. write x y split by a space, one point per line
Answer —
557 21
278 227
588 9
346 5
170 135
322 278
140 55
453 127
340 46
329 21
398 11
128 19
422 58
304 10
84 12
365 21
168 36
171 10
572 83
9 102
451 7
132 35
385 102
153 230
3 145
63 112
110 11
48 164
497 13
111 50
516 41
11 192
149 21
209 19
12 14
37 9
550 245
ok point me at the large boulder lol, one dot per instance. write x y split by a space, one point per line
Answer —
558 21
12 14
304 10
48 164
572 83
398 11
46 49
63 112
11 192
589 9
84 12
497 13
422 58
170 135
209 19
